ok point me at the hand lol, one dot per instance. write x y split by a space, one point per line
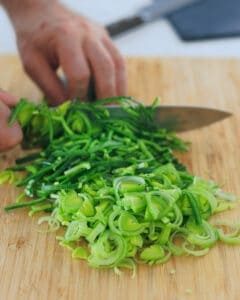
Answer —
50 36
9 136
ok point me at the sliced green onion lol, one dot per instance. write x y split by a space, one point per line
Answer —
112 183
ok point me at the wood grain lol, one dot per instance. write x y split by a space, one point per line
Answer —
34 266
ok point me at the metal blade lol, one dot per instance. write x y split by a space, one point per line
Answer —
181 118
161 8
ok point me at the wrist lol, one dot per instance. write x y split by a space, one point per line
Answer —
19 11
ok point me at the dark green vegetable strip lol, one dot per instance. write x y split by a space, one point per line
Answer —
114 184
24 204
195 208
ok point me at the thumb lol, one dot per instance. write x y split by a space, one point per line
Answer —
9 135
8 99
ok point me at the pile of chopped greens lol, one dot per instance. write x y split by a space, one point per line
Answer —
114 185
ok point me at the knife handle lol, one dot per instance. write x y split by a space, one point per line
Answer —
124 25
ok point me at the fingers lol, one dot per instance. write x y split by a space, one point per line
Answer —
39 69
9 135
75 67
103 68
120 69
8 99
83 50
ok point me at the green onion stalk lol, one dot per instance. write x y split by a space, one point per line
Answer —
114 184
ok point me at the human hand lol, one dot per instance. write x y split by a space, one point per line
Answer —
49 36
9 135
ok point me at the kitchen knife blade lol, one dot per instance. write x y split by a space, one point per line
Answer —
158 8
180 118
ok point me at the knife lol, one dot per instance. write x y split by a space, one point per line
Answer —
151 12
180 118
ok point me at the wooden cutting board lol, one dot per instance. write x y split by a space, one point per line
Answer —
34 266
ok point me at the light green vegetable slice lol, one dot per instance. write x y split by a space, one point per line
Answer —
113 185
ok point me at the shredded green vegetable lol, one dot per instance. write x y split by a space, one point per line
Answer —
114 185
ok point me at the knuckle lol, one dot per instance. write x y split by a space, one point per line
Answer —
119 62
107 63
118 59
64 27
89 41
105 38
110 63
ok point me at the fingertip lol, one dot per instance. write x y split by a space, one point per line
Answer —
57 98
13 137
40 69
77 91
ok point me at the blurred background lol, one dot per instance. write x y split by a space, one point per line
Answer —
184 28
